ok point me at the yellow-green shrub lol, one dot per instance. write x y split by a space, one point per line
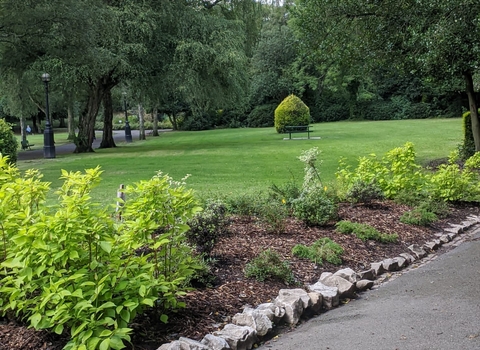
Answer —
291 111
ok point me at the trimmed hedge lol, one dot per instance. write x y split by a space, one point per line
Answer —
291 111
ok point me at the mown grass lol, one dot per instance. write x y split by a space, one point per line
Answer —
233 161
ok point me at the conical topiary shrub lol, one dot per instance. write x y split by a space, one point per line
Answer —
291 111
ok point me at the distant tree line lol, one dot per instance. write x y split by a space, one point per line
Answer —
229 63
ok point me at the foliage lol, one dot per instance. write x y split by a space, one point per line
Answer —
451 182
418 216
268 265
273 214
363 192
246 204
71 267
291 111
286 193
313 206
467 148
207 226
364 232
322 249
8 142
262 116
396 171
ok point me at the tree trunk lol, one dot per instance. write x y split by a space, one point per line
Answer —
473 109
70 121
23 133
86 124
141 123
107 138
62 122
155 121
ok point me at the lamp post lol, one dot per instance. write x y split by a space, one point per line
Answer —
128 131
48 142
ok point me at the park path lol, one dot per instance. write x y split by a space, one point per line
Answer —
433 307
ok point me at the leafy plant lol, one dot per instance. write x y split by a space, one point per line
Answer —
418 216
365 232
274 214
291 111
269 265
322 249
207 226
286 193
71 267
364 192
246 204
315 208
8 142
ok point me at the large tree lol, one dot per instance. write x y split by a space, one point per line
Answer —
439 39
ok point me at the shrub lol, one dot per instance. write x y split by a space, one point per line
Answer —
268 265
72 267
8 142
291 111
273 215
467 148
314 208
262 116
322 249
364 232
364 192
418 216
246 204
207 226
286 193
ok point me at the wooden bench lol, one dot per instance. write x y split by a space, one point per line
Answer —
26 145
297 129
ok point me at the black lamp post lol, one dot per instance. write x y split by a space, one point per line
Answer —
128 131
48 142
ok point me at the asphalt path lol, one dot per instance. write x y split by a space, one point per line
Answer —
433 307
68 148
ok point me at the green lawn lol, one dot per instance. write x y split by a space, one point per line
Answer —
248 160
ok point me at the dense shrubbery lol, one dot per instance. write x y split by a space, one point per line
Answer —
73 268
262 116
8 142
291 111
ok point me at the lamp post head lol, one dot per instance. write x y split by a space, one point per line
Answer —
46 77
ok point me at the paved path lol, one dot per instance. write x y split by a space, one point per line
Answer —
433 307
68 148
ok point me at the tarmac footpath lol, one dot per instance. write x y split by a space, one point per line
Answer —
433 307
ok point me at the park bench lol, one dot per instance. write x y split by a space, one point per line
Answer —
26 145
297 129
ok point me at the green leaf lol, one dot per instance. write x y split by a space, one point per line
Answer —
105 344
59 329
116 342
74 331
148 302
73 255
105 333
142 290
93 342
106 246
164 318
35 319
108 304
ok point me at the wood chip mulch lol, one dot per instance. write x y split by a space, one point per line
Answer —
209 309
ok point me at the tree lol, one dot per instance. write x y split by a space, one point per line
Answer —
439 39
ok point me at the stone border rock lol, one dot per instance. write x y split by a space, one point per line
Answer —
290 305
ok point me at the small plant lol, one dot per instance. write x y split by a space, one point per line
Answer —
246 204
323 249
273 215
418 216
315 208
286 193
365 232
364 192
269 266
207 226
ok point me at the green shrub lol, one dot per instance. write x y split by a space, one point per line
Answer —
273 214
8 142
418 216
467 149
322 249
365 232
364 192
291 111
246 204
207 226
268 265
314 208
286 193
262 116
71 268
